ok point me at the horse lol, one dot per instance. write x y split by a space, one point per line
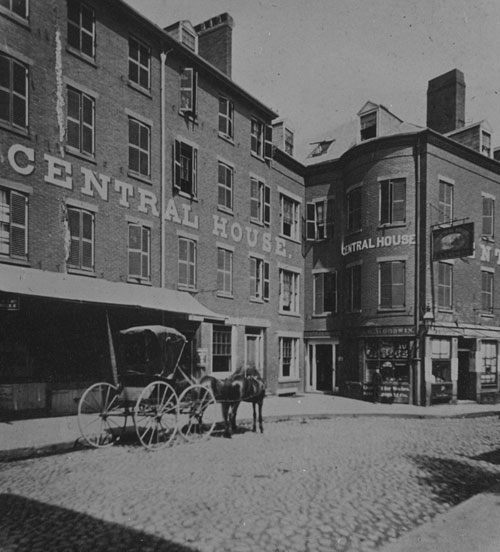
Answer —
246 385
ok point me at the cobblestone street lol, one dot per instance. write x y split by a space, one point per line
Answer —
340 484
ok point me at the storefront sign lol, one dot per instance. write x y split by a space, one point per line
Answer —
10 302
380 241
453 242
388 330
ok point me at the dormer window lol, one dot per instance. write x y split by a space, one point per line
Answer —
486 143
288 141
321 148
368 125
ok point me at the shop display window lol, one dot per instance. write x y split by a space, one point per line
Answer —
441 359
489 363
390 356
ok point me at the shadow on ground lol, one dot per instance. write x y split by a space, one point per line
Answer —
27 525
454 481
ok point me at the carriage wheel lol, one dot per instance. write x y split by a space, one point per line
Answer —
156 415
197 412
101 417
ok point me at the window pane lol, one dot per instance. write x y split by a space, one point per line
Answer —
19 79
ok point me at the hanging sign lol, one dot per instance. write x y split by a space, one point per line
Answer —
453 242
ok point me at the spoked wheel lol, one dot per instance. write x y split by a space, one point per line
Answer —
156 415
101 417
197 412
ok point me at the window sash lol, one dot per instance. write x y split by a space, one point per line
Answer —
13 92
288 357
289 212
81 29
139 252
139 148
488 216
187 91
225 186
80 121
353 280
487 282
445 202
289 292
445 285
354 210
226 117
13 224
225 271
17 7
185 168
257 137
187 263
393 201
81 228
325 293
139 63
392 284
221 349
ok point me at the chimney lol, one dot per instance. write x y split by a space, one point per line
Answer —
446 102
215 42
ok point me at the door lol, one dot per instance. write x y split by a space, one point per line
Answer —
321 367
253 348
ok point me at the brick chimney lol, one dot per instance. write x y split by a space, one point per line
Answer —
446 102
215 41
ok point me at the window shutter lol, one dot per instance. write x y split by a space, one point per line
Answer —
87 240
177 165
329 218
134 253
268 142
18 224
267 205
319 303
267 281
310 221
195 173
74 228
194 87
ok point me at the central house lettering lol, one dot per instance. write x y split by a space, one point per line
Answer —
381 241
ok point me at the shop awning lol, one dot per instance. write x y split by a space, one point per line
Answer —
466 332
81 289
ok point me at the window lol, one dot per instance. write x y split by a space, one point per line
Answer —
288 141
139 252
487 291
289 358
261 142
488 217
139 143
13 224
224 271
353 291
225 186
393 201
81 28
486 143
445 202
321 148
17 7
259 279
289 292
139 61
226 118
368 125
13 92
290 217
354 210
81 229
320 220
489 368
187 263
185 165
445 286
260 202
221 349
325 292
441 359
392 284
80 121
188 79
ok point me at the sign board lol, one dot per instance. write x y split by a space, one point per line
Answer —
453 242
202 356
9 302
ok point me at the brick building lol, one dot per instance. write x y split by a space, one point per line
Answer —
399 281
138 185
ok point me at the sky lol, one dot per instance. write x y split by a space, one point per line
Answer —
317 62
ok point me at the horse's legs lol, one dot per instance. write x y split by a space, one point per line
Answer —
261 425
234 410
226 415
254 428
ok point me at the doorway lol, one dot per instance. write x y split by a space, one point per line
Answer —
321 364
254 355
465 351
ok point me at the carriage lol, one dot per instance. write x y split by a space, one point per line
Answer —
151 394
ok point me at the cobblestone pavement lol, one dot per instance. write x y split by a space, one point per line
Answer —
341 484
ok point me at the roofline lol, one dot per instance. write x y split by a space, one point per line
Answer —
170 42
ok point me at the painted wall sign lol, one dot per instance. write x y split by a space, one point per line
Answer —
380 241
453 242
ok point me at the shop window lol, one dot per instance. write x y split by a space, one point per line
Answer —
320 219
488 223
225 271
445 285
392 284
221 349
289 292
185 168
139 62
80 121
441 360
489 363
353 288
288 358
260 202
290 217
487 279
13 92
17 7
225 186
13 224
139 252
325 293
187 263
445 203
226 118
81 28
354 210
139 148
188 92
393 201
390 356
259 279
81 230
